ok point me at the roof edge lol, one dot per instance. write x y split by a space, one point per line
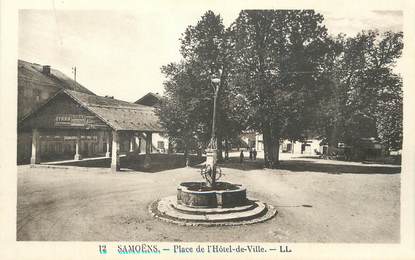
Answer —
60 92
87 108
148 94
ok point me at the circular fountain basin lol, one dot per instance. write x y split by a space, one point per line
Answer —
199 195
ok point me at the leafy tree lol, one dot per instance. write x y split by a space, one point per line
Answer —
278 57
329 115
366 96
389 114
205 49
176 109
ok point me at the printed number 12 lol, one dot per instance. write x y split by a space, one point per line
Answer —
102 249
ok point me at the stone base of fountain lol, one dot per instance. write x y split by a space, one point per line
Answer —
197 204
198 195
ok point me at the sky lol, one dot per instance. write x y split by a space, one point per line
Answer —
120 52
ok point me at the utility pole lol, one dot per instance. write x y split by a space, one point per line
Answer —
74 72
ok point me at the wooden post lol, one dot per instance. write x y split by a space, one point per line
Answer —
77 146
137 143
147 158
35 158
100 141
115 156
149 142
107 151
132 140
142 144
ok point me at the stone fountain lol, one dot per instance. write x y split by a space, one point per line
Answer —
211 203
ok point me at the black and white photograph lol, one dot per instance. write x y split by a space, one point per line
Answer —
272 126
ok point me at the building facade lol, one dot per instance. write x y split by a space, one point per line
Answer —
73 125
36 84
310 146
60 106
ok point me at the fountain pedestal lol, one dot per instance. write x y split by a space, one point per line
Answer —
211 158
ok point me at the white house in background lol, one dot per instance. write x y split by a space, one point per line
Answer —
309 146
160 141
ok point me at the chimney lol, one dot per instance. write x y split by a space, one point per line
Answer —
46 69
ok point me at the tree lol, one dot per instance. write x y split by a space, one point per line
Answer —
366 96
278 66
389 114
329 115
204 48
176 109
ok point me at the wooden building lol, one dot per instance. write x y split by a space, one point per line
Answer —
76 125
37 83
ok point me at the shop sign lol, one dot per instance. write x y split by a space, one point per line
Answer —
74 120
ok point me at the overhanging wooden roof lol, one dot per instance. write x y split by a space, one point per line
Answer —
117 114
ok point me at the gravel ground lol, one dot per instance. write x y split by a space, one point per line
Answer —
317 201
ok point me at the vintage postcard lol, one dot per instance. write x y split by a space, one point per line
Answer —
164 129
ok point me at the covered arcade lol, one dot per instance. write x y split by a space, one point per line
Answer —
79 124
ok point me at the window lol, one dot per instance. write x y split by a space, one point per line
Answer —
160 145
